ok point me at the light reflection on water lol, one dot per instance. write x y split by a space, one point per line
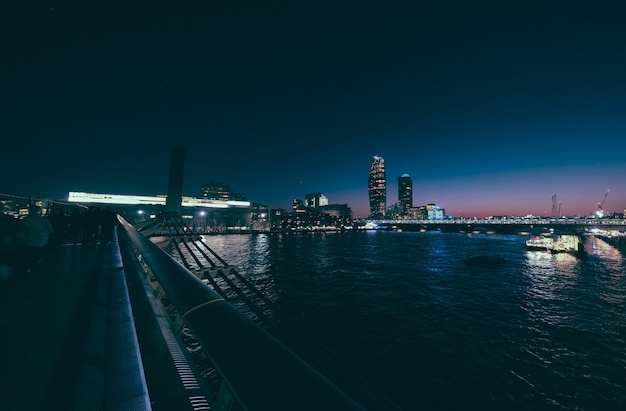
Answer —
575 310
540 331
549 274
250 254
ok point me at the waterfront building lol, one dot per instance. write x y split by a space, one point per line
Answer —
260 217
299 217
12 207
337 215
377 188
313 214
415 213
394 211
220 191
432 212
405 193
216 191
315 200
298 207
213 215
278 219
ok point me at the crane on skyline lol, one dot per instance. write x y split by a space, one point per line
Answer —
600 212
556 209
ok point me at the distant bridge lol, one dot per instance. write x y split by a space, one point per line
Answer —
503 225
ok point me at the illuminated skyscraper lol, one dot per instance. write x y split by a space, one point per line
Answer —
405 193
377 187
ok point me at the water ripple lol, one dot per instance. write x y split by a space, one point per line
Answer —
538 332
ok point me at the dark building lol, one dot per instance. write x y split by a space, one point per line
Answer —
220 191
377 187
216 191
278 219
260 217
394 211
298 206
405 193
337 215
312 214
175 185
238 196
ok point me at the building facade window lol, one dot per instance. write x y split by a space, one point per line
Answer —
405 193
377 187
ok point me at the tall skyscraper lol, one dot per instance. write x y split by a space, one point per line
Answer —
405 193
377 187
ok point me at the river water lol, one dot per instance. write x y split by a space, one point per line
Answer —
434 329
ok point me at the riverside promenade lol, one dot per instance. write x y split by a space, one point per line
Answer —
67 337
71 340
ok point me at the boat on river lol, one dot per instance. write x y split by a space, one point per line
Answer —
540 243
569 243
563 243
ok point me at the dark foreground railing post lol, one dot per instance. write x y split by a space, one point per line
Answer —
261 372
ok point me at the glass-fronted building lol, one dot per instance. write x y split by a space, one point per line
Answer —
377 187
405 193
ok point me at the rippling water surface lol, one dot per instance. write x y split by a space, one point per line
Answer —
433 330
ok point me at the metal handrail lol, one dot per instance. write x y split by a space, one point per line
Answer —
260 371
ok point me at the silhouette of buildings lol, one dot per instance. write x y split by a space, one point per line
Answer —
219 191
216 191
314 213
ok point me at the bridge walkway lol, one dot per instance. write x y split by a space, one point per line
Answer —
68 338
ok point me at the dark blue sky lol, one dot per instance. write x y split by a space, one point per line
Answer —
492 108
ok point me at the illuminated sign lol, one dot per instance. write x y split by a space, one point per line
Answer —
80 197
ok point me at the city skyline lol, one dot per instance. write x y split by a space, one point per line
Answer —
491 108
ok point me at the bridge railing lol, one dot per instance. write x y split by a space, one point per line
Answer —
519 221
260 372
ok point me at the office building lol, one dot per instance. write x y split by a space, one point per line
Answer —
315 200
216 191
432 212
377 187
405 193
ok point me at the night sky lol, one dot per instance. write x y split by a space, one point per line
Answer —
492 107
